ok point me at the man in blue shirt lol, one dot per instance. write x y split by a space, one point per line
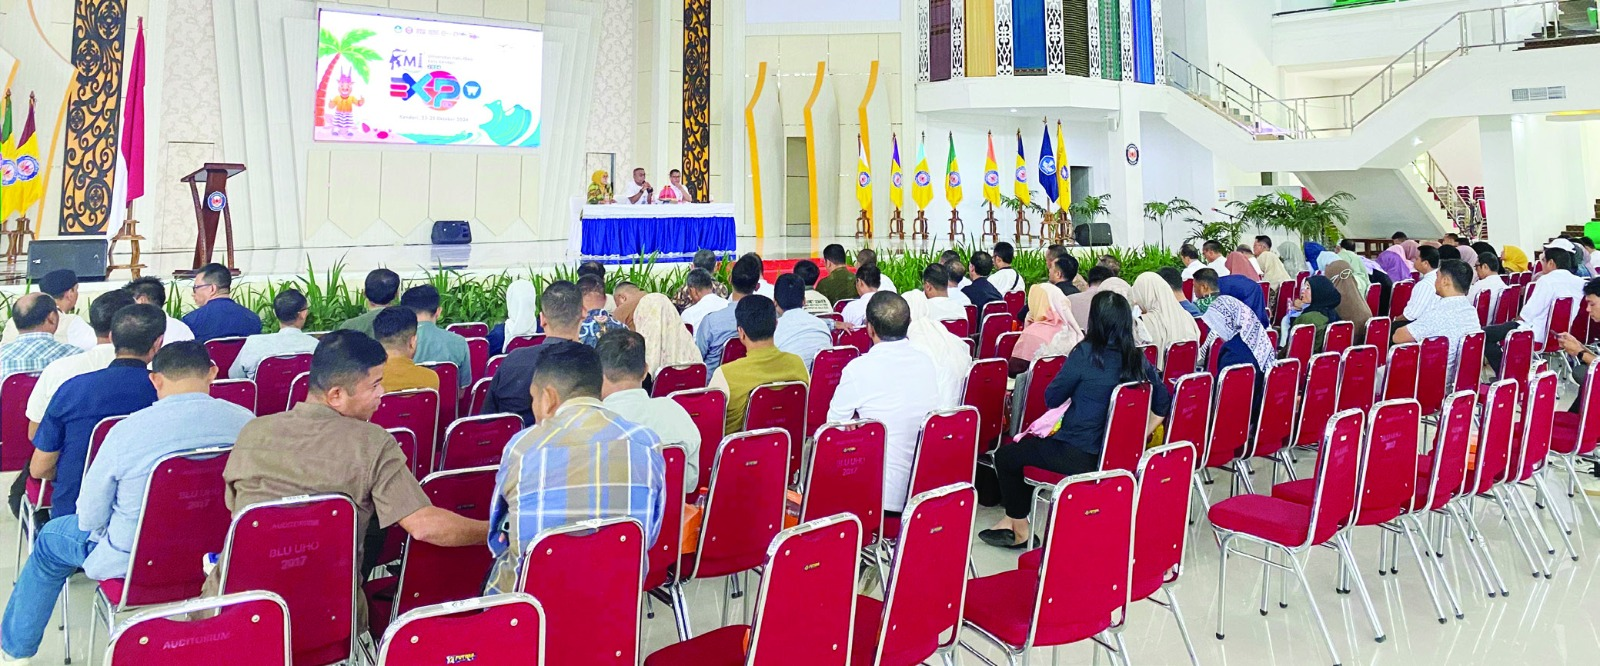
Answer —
100 537
435 344
799 332
717 328
218 316
62 442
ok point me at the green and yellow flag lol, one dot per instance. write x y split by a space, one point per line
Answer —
952 178
922 178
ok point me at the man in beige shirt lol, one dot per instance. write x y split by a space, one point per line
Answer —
396 328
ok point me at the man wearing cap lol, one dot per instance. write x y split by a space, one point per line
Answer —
62 285
1555 280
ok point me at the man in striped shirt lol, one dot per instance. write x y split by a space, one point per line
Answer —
581 462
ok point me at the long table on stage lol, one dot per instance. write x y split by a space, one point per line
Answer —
622 230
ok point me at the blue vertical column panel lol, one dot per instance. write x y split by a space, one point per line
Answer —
1144 47
1027 21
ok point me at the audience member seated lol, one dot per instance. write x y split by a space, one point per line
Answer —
61 444
666 341
1352 297
816 303
598 270
952 359
1347 252
435 344
522 316
1377 276
1245 340
839 284
622 361
869 257
597 321
981 292
1272 269
62 285
149 290
706 260
396 329
581 462
893 383
1216 258
957 273
627 295
1062 272
1174 280
561 311
1005 278
381 288
1205 288
1081 300
717 328
1488 273
1161 315
763 287
99 538
291 309
35 317
1049 320
1093 370
1423 294
1394 263
935 294
952 262
1453 317
1239 263
799 332
868 278
1191 261
703 296
1556 280
1584 356
1317 305
762 364
216 315
1513 259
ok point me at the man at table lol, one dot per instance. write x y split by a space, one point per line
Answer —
676 191
639 190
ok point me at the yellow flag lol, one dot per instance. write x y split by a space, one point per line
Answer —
863 178
1063 171
896 177
952 178
921 178
29 187
1020 179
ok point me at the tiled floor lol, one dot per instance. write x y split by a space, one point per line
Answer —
1543 621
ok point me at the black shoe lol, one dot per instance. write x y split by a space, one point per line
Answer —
1001 539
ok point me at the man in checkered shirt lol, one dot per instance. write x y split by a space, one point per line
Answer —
36 317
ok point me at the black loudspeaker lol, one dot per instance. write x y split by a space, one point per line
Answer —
452 232
1095 233
84 256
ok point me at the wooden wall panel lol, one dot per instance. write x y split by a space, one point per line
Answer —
94 111
1077 37
939 40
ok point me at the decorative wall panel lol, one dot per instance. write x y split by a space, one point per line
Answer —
1054 42
1110 40
958 39
697 96
1091 12
1160 45
1125 37
1144 69
924 62
1075 34
1005 57
1027 24
93 113
978 29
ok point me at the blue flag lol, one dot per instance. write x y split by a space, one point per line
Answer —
1047 167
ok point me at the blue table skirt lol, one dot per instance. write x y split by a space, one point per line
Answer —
642 236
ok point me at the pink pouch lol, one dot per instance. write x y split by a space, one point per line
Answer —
1046 424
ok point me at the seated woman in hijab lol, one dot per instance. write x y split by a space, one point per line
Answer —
1245 341
522 316
666 341
1347 253
1318 306
1049 315
1395 264
1164 319
1247 292
1294 260
1514 260
1238 263
1352 301
952 360
1313 251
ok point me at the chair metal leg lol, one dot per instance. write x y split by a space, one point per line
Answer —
1266 577
1511 520
1532 523
1468 525
1316 613
1383 554
1122 649
1438 567
1572 473
1183 629
1422 570
680 610
66 612
1342 543
1543 490
1222 581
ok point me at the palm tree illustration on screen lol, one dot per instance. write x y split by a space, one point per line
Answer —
349 49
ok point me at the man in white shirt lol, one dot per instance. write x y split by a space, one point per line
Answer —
704 300
1191 261
1216 258
1594 257
1004 277
957 273
1453 317
622 391
149 290
799 332
291 309
936 288
868 256
1424 294
1489 280
895 384
1555 281
638 190
62 285
867 279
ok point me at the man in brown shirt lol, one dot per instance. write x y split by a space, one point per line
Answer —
396 328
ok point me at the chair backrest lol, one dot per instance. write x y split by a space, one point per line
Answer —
1338 336
1560 322
478 357
97 438
476 441
1095 508
1582 325
957 327
733 350
587 577
1338 476
502 629
1388 485
805 607
1517 360
664 553
1433 369
972 318
1126 427
1510 302
520 341
845 475
1377 334
1374 297
1401 373
1481 304
1214 356
1266 291
223 352
1321 394
479 396
304 550
431 574
1280 400
1358 377
1451 449
449 395
674 378
416 410
858 338
1188 289
1286 293
1014 301
1538 421
707 408
1399 296
274 378
1006 344
299 391
493 365
1161 516
1471 358
1040 372
926 591
1230 417
986 392
1494 436
1588 430
1151 354
253 624
241 392
839 307
780 405
744 505
1302 343
989 333
16 447
469 329
1190 420
1180 359
947 450
184 517
826 370
993 307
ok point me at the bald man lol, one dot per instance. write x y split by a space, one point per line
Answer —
36 318
627 296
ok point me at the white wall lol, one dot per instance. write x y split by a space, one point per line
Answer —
1539 176
1376 33
1177 166
1460 155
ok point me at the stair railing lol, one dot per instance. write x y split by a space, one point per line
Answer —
1462 211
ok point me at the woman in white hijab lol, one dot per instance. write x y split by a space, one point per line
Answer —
522 315
952 359
666 341
1121 287
1164 319
1294 260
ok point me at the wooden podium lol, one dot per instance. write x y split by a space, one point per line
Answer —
209 209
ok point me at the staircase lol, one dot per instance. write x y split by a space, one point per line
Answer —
1463 213
1573 24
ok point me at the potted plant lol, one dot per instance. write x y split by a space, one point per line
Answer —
1162 211
1311 220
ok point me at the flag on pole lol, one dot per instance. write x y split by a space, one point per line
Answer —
863 177
8 162
1047 168
952 178
133 121
30 184
991 177
1063 189
921 178
1020 180
897 178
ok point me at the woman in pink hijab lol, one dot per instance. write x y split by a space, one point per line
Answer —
1239 264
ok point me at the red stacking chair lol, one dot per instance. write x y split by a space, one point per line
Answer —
844 474
502 629
1399 296
830 317
449 394
972 318
1489 463
1266 291
707 408
1530 450
478 396
733 350
858 338
1338 336
780 405
1190 420
674 378
1374 297
587 576
1482 305
493 365
1377 335
1433 368
1124 439
16 447
838 308
416 410
986 392
1443 477
993 307
1509 304
1188 289
432 574
1274 421
1283 296
37 497
1358 378
1302 343
1214 356
299 390
1321 394
521 341
1017 610
1272 337
989 334
805 607
1030 387
1300 280
1205 329
478 357
957 327
1401 373
476 441
1560 322
1180 360
947 448
1582 323
1014 301
920 614
744 509
667 549
1527 292
1226 446
274 379
469 329
223 352
1516 363
255 624
1006 345
826 370
304 550
1151 354
1575 436
1471 358
241 392
1294 529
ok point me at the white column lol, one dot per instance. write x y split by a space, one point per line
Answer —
1125 182
1496 135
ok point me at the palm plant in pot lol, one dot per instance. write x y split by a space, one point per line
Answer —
1161 212
1319 221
